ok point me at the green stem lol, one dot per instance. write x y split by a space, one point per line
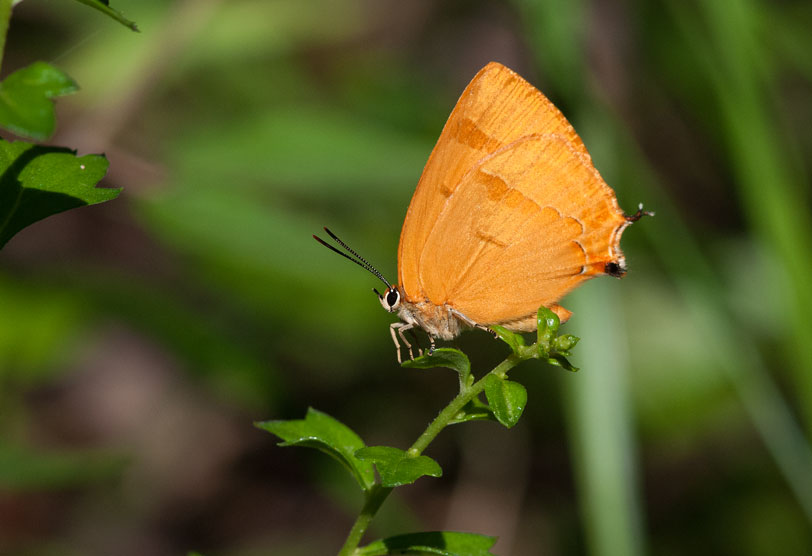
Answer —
378 493
375 498
466 395
5 16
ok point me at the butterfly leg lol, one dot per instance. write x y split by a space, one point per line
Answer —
397 329
393 330
489 330
401 331
472 324
416 342
432 347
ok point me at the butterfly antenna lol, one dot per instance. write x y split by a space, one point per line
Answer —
359 260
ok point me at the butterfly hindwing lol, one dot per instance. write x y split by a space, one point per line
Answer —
522 228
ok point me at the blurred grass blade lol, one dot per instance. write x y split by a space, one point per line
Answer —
738 69
599 416
759 394
556 33
733 349
599 410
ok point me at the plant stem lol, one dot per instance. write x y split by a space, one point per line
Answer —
450 411
5 16
377 494
375 498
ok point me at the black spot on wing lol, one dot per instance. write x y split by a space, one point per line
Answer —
612 268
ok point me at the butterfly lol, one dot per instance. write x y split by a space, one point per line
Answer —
509 215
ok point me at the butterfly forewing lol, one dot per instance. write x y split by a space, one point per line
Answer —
510 214
497 108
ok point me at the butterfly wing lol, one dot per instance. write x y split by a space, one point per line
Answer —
521 229
497 108
510 213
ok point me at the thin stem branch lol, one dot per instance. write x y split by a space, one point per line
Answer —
450 411
378 493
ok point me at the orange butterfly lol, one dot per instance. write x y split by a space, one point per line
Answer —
509 215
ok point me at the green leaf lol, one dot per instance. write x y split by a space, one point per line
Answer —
397 467
445 543
548 323
507 399
38 181
562 344
474 410
319 430
26 105
561 361
104 7
515 341
443 357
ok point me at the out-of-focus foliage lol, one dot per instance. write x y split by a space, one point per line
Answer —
26 99
147 334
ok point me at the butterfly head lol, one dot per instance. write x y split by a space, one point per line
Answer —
390 299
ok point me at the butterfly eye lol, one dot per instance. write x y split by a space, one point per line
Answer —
390 299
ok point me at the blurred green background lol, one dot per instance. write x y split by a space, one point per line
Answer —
139 339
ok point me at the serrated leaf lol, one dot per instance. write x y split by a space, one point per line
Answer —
474 410
26 99
445 543
319 430
442 357
396 467
548 323
104 7
506 398
515 341
38 181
